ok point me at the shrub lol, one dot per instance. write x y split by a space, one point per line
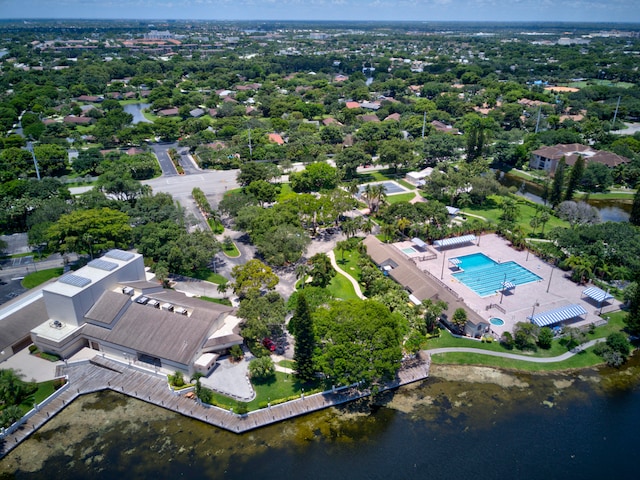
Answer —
236 352
545 338
33 348
507 341
177 379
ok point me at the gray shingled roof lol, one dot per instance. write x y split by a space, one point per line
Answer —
156 332
17 326
106 309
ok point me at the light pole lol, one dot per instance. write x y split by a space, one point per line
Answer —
33 155
553 267
444 256
503 287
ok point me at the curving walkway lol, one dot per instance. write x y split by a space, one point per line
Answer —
514 356
355 284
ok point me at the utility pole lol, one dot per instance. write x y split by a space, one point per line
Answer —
424 123
33 155
250 147
538 120
615 115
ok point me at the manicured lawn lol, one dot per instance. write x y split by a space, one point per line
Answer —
406 184
350 262
613 195
401 197
283 386
287 364
342 288
492 211
37 278
581 360
221 301
231 251
210 276
45 389
285 189
585 359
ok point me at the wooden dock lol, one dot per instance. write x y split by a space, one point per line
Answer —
103 374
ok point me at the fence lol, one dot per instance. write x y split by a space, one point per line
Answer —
12 428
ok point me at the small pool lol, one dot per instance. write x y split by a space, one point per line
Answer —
498 322
409 250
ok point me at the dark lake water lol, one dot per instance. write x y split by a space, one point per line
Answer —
136 109
578 425
609 210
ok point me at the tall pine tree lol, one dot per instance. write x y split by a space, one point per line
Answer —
574 178
555 197
305 340
634 219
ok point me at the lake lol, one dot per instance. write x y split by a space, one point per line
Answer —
609 210
464 422
136 109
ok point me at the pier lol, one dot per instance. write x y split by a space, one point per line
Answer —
101 373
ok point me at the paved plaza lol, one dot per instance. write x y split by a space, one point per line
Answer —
553 290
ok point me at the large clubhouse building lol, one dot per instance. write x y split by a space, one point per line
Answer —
109 306
547 158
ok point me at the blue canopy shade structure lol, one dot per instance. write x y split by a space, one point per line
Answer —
454 241
557 315
418 242
597 294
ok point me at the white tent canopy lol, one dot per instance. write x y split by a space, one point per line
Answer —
597 294
551 317
454 241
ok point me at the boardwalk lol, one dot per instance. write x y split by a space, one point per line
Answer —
101 374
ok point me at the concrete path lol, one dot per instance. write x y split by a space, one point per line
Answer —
514 356
355 284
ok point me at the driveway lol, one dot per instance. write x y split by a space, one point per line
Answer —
161 150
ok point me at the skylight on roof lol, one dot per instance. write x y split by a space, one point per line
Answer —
103 265
75 280
119 255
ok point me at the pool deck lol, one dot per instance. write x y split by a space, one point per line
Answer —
553 290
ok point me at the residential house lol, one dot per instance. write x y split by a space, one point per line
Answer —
547 158
276 138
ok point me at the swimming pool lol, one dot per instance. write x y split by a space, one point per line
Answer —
409 250
498 322
485 276
390 187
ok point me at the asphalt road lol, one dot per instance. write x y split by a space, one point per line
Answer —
161 149
212 182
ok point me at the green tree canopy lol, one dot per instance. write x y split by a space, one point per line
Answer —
358 340
90 231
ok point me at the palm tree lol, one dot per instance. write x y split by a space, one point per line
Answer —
388 230
196 377
402 224
343 245
302 270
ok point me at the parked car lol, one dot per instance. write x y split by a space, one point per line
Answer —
269 344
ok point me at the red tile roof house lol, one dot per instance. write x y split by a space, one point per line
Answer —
352 104
168 112
368 118
393 116
90 98
275 138
547 158
331 121
78 120
443 127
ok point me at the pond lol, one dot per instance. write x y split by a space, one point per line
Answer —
136 109
609 210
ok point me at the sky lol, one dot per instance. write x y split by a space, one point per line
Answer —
418 10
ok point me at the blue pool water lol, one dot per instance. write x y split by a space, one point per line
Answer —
485 276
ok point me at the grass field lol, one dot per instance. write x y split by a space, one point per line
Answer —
401 197
37 278
581 360
341 287
527 210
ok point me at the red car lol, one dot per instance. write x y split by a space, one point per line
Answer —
268 344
